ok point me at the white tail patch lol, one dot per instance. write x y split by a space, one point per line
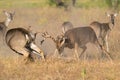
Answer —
6 13
26 36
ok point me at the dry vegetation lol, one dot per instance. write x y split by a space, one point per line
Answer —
50 19
59 69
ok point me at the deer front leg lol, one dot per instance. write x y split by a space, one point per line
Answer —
35 48
84 49
106 43
76 51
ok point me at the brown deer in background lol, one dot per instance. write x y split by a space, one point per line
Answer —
4 24
66 26
102 30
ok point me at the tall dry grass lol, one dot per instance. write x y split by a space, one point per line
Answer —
59 69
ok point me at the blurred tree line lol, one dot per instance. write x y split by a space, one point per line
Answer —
114 4
63 3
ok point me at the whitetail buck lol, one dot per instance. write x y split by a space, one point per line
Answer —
4 24
102 30
75 38
21 41
66 26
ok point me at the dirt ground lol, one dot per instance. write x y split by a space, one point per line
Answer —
50 19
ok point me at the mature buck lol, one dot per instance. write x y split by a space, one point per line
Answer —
75 38
4 24
21 41
66 26
102 30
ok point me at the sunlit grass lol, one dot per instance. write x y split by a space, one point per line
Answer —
22 3
59 69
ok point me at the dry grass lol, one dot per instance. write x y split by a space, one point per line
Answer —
59 69
50 19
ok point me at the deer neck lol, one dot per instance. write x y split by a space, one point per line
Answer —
111 25
7 22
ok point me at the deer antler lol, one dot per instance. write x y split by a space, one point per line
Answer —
45 35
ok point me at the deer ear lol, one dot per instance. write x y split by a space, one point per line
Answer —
115 14
5 12
107 14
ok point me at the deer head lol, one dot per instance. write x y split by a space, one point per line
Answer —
9 16
112 17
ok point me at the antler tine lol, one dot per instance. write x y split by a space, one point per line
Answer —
44 35
46 32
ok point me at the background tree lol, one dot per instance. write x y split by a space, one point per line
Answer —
114 4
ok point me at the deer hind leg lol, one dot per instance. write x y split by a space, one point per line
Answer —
35 48
105 42
24 52
102 50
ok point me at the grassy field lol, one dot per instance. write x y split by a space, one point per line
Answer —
59 69
43 3
22 3
50 19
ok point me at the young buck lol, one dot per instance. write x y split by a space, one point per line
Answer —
4 24
20 41
66 26
75 38
102 30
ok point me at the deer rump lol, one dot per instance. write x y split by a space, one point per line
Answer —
18 37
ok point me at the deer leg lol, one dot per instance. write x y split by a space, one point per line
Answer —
24 52
35 48
76 51
84 49
59 51
106 43
101 48
55 52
